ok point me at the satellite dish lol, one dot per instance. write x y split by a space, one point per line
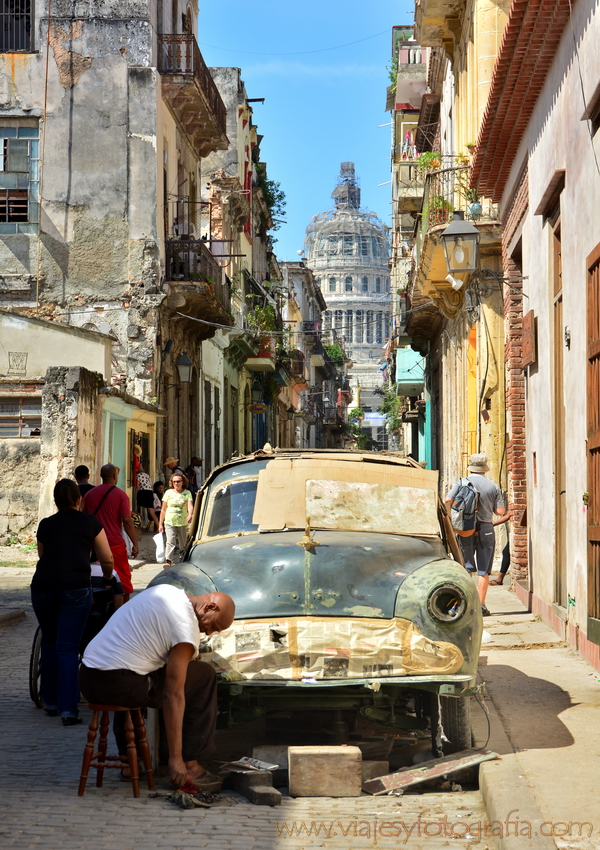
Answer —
299 253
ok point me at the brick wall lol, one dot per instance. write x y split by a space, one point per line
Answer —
515 381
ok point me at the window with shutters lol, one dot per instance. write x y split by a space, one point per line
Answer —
19 179
20 416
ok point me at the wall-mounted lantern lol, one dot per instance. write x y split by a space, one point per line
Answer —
460 240
184 368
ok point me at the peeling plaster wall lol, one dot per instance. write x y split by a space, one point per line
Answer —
20 468
98 243
71 413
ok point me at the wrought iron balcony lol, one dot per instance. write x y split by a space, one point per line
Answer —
446 190
190 90
332 416
193 272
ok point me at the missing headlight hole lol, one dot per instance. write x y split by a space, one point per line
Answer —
447 603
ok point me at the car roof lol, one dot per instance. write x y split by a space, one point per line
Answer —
267 453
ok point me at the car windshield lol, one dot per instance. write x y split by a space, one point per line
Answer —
232 508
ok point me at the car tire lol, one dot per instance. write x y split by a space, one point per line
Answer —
456 723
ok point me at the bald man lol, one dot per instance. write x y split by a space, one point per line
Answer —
147 655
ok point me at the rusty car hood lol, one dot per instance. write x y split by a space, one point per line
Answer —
349 574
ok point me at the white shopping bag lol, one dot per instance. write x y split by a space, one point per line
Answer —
159 540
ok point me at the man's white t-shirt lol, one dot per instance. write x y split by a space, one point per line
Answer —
141 633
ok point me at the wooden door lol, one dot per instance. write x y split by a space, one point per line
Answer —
560 469
593 443
207 462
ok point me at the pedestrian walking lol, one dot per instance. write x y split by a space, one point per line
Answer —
144 497
82 476
478 549
194 475
505 562
61 595
175 516
111 505
172 465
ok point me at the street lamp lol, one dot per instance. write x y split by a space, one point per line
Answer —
184 368
460 240
257 391
290 412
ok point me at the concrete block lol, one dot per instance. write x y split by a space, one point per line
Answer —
325 771
274 754
256 786
373 769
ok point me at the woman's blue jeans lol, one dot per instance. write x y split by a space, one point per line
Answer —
62 615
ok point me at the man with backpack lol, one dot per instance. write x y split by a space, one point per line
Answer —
474 501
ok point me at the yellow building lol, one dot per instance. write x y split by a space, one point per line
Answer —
459 313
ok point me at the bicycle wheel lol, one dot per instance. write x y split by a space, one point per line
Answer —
35 669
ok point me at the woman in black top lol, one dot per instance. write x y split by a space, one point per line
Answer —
61 595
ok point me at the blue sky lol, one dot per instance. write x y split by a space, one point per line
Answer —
322 107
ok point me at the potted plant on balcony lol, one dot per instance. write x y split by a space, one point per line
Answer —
429 161
439 210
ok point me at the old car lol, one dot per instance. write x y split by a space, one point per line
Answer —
350 592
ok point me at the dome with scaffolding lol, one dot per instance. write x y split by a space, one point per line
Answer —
348 250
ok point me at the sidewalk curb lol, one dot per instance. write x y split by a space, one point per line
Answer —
12 617
507 795
509 800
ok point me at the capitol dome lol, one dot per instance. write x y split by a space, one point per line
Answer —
348 250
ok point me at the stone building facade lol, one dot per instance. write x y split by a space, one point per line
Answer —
347 249
114 219
105 115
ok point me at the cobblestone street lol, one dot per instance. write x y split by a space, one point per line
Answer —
39 806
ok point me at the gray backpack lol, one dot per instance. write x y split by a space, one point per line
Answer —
463 511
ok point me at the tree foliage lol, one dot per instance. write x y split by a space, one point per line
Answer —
335 352
273 194
391 408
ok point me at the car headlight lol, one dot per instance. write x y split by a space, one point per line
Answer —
447 603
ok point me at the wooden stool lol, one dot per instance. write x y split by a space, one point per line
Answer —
100 759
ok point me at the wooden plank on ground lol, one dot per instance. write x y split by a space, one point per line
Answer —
429 770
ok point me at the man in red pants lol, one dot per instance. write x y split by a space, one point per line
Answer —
111 505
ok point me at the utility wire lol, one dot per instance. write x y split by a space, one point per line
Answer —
295 52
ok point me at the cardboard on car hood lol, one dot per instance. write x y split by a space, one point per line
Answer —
327 648
285 498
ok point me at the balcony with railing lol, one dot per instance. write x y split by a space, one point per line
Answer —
191 269
448 189
190 91
332 416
